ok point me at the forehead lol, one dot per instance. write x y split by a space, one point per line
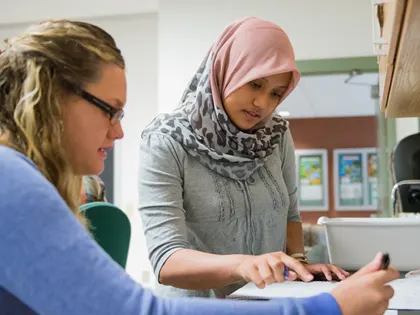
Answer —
112 85
281 79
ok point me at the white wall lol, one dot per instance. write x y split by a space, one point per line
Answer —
317 29
136 35
24 11
330 96
405 127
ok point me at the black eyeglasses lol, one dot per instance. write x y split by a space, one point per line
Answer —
115 114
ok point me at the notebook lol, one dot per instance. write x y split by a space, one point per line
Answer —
406 297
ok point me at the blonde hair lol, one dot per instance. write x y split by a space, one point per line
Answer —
36 70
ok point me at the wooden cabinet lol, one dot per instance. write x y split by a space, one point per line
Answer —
397 44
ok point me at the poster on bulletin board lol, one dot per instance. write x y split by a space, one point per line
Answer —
372 178
355 177
312 179
350 181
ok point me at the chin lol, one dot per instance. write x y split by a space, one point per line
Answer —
98 169
246 127
94 169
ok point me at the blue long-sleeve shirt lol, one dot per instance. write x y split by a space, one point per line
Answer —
50 265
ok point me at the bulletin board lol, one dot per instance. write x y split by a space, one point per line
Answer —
312 179
355 179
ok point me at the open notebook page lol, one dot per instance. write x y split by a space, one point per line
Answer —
407 291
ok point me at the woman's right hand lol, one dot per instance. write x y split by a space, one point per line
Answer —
269 268
368 290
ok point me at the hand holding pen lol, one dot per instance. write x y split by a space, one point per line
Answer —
368 288
268 268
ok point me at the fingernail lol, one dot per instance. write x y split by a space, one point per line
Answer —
309 276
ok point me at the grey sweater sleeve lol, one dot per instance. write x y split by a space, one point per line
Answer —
161 199
289 175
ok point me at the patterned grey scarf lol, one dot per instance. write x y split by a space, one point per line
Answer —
206 133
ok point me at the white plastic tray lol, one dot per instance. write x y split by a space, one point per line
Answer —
353 242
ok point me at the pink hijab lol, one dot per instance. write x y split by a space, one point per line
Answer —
248 49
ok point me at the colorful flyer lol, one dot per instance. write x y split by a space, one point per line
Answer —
350 180
356 179
312 179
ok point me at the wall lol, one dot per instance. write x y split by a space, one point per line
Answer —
317 29
405 127
20 11
333 133
136 36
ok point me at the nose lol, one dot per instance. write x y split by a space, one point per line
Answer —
116 131
262 101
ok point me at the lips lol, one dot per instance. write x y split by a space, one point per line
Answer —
252 114
104 149
103 152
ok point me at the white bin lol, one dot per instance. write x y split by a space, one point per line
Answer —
353 242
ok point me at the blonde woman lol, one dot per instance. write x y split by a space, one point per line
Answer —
62 93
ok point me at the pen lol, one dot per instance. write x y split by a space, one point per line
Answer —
286 272
385 261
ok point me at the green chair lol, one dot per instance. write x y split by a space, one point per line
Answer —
110 227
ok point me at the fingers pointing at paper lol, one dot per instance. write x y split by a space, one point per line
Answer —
266 269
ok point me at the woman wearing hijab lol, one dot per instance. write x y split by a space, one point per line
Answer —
217 176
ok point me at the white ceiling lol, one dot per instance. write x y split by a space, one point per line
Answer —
330 96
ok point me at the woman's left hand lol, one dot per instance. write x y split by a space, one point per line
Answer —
328 270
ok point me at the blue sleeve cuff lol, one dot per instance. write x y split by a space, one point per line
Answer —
323 303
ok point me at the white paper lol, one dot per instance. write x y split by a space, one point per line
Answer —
351 191
407 294
311 192
406 297
285 289
374 187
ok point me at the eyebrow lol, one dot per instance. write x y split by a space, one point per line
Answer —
117 102
277 87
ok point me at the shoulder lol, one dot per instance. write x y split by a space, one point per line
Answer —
157 143
21 181
15 166
285 150
287 137
10 157
286 144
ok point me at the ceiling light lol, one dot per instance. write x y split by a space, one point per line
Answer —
284 113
